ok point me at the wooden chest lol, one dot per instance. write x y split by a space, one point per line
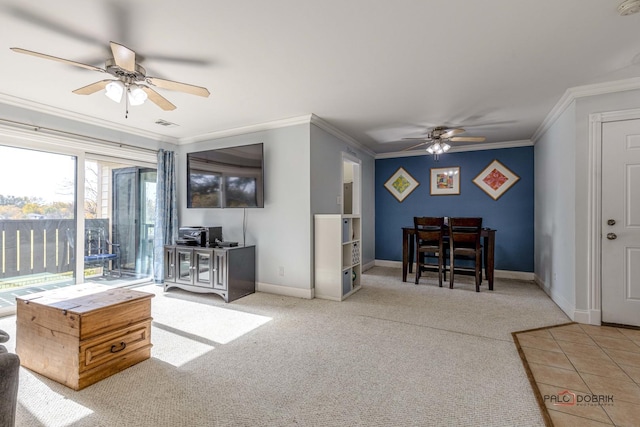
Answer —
79 335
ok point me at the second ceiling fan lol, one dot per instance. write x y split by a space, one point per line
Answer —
437 139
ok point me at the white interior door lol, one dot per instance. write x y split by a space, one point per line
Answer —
621 222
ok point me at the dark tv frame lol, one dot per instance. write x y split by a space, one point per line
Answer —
225 170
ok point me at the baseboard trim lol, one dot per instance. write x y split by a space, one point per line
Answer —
385 263
588 317
368 265
284 290
517 275
499 274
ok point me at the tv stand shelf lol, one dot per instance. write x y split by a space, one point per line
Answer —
228 272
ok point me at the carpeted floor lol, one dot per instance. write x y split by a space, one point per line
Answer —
392 354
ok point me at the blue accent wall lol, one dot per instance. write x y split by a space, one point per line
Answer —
511 215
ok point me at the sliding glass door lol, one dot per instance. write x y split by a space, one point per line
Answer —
119 211
134 209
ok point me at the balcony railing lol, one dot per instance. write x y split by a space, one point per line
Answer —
32 250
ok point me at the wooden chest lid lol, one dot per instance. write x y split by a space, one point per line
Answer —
84 298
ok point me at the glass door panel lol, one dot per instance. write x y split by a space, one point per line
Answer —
125 215
184 264
147 206
203 268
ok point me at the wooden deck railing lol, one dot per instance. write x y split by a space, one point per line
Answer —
39 246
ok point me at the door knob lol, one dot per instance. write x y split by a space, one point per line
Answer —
611 222
612 236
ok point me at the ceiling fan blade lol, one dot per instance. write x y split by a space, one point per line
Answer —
158 99
55 58
467 139
451 132
419 139
92 88
124 57
182 87
416 146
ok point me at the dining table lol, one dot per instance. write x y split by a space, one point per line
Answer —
488 251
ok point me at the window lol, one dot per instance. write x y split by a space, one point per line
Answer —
37 219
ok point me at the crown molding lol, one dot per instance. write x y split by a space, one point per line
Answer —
574 93
242 130
277 124
65 114
459 149
324 125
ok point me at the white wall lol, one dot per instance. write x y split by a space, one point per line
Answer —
326 183
555 175
281 230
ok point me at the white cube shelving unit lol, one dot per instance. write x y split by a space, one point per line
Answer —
337 256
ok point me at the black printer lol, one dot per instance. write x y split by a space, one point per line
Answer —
206 237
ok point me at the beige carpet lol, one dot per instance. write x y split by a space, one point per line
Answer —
393 354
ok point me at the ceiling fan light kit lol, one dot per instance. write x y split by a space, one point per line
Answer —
437 140
438 148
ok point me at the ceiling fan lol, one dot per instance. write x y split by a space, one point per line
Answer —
438 138
129 77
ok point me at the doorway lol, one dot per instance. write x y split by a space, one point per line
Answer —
351 188
614 218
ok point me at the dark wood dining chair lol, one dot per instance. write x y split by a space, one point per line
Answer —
465 244
429 233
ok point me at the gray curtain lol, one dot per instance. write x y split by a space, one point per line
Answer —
166 228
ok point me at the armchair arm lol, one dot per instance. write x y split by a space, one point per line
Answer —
9 377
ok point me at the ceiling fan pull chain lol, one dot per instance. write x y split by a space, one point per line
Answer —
126 103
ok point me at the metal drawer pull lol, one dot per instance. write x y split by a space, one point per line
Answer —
115 349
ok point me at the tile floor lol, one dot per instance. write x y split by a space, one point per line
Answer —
585 375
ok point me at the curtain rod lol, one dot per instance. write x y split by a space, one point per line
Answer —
37 128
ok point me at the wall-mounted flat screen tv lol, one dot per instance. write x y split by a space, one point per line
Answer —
230 177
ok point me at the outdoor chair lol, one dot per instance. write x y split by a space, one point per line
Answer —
100 251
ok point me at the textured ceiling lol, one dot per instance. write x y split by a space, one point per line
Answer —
379 71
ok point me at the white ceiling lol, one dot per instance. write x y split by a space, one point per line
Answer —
377 70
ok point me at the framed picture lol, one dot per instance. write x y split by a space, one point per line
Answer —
445 181
401 184
496 179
